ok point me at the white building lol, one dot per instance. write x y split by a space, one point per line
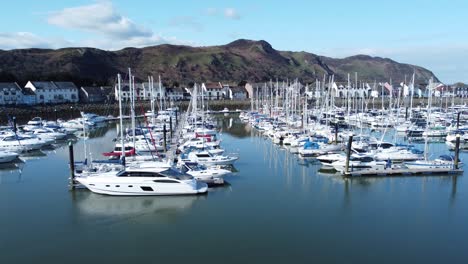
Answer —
175 93
237 93
10 94
142 91
54 92
214 91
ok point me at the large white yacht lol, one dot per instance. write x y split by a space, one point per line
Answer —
142 181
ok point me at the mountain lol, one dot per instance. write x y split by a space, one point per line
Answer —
242 59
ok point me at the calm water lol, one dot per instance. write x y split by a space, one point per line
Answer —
277 209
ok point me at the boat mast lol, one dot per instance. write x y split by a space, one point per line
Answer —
122 150
160 93
132 102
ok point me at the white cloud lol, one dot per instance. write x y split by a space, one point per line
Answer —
21 40
108 28
100 17
231 13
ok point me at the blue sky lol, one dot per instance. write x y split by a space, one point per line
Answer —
432 34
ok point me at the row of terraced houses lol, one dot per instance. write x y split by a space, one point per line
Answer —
48 92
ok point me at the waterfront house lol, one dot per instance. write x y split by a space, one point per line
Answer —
214 91
175 93
142 91
28 96
92 94
54 92
237 93
10 93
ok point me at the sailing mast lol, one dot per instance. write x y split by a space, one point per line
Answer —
122 149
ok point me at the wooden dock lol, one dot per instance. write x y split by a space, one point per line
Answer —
402 172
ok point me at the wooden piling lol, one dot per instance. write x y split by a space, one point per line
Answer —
348 154
15 128
164 135
457 151
170 127
336 134
72 165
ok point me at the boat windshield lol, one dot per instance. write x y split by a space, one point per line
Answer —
173 173
195 166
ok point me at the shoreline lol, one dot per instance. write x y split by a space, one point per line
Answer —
68 111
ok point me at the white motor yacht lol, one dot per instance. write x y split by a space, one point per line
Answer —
7 156
210 175
48 133
359 163
142 181
17 143
443 162
206 158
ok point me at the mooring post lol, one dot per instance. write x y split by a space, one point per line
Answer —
72 165
176 117
348 154
406 114
457 151
164 135
336 134
170 126
14 125
458 119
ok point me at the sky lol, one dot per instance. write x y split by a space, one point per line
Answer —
430 33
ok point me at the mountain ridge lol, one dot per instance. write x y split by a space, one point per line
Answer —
242 59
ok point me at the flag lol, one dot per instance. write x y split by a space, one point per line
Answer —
335 90
406 90
389 88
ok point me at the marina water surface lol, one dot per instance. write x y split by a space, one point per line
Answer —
276 208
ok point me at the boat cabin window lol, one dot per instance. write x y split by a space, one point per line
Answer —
203 155
120 149
166 181
139 174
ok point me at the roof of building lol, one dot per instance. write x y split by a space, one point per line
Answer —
65 85
176 90
107 90
213 85
44 85
92 90
238 89
9 85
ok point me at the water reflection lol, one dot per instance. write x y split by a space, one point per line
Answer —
11 172
91 204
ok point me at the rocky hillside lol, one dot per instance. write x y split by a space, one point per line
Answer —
239 60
